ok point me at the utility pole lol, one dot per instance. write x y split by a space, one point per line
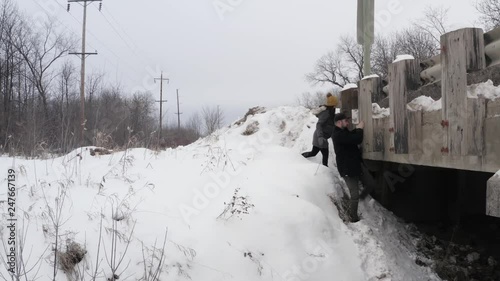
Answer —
178 113
161 101
83 56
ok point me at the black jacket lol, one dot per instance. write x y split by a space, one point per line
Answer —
348 155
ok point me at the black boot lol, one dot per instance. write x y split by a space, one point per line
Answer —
353 211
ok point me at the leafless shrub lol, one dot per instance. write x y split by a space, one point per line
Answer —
213 118
74 254
153 262
251 129
237 206
490 13
252 111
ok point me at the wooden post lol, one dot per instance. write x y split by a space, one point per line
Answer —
369 87
404 76
462 51
378 135
415 130
349 101
476 115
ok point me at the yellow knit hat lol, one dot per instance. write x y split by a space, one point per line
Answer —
331 100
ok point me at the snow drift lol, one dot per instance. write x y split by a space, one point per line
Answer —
241 204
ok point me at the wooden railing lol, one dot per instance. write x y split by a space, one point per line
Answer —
464 134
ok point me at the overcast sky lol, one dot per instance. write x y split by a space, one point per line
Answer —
232 53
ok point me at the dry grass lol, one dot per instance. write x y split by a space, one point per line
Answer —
73 255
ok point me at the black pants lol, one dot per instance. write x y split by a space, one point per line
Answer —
368 183
315 150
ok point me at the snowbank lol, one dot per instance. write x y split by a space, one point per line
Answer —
485 89
241 204
424 103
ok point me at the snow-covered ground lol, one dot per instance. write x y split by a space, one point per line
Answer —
241 204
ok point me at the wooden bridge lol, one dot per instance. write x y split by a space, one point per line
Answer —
464 134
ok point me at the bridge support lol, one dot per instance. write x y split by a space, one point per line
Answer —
493 196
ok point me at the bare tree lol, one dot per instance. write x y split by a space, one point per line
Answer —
194 125
326 70
353 56
341 67
141 112
415 42
213 117
93 86
67 83
384 51
41 50
434 22
309 100
490 13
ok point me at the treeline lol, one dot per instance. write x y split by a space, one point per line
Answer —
40 97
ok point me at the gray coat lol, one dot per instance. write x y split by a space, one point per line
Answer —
324 128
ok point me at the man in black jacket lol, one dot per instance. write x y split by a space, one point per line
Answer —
348 155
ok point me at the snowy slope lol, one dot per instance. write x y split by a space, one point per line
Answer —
238 205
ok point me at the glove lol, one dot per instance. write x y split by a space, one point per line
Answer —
321 141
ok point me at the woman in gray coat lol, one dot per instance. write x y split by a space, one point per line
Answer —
324 129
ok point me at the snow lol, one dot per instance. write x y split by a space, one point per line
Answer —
424 103
403 57
379 112
349 86
355 116
370 76
485 89
282 225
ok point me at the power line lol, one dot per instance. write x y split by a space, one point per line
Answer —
119 35
120 26
136 46
66 27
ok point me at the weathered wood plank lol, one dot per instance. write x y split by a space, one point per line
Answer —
415 132
378 134
349 100
404 76
368 88
476 114
462 52
493 108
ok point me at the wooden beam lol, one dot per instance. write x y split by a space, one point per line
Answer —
369 87
476 114
404 76
349 100
462 51
415 132
378 134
